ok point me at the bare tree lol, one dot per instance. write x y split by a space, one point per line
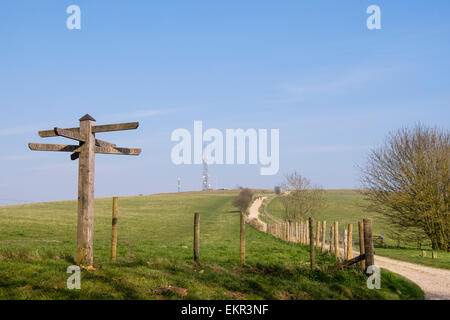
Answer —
243 200
300 198
277 190
407 180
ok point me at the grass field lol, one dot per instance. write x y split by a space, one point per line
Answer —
154 260
347 206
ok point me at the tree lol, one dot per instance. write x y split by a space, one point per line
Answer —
407 180
277 190
301 199
243 200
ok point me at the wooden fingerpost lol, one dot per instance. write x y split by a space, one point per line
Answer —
324 228
197 238
368 243
349 242
311 243
242 239
86 163
115 214
361 244
336 239
85 152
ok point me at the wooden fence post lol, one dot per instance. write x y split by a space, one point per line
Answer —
336 239
318 234
324 225
289 231
349 242
197 238
307 232
361 244
345 244
332 238
294 234
368 243
242 239
115 214
311 243
301 231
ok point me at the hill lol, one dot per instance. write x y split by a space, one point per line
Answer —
154 258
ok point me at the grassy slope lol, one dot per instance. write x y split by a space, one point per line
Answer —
347 206
37 242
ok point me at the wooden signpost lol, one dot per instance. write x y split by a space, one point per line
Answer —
85 151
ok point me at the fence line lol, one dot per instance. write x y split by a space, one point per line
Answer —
303 233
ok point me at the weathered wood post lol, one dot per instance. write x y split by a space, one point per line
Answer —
307 232
311 243
197 238
368 243
345 244
86 163
349 242
115 215
242 239
324 229
289 230
332 238
293 231
336 239
361 244
318 234
286 231
302 226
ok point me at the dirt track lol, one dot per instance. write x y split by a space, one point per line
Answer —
434 282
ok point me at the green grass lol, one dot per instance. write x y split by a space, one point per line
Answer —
414 256
38 242
347 206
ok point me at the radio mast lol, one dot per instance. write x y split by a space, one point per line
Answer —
205 177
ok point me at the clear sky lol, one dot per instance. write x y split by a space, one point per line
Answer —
309 68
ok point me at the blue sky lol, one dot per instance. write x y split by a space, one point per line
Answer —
311 69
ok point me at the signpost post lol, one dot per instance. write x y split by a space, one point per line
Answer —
85 151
